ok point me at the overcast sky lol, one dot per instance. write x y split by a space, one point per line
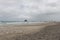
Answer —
32 10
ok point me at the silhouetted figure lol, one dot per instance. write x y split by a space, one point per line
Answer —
25 20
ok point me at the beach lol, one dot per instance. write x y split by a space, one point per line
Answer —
20 28
24 31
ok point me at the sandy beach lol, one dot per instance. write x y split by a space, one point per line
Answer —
20 28
12 31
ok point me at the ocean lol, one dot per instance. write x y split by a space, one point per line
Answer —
12 22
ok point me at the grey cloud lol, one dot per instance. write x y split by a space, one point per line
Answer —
52 4
38 10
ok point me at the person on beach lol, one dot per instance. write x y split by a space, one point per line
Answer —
25 20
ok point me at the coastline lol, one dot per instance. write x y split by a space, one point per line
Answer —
9 31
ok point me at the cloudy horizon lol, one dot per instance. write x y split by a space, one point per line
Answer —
32 10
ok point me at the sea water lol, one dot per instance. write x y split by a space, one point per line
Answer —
5 22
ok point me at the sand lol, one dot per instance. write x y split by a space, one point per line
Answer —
24 32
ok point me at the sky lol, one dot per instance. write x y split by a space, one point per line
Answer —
32 10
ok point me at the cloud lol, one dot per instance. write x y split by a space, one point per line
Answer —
29 9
